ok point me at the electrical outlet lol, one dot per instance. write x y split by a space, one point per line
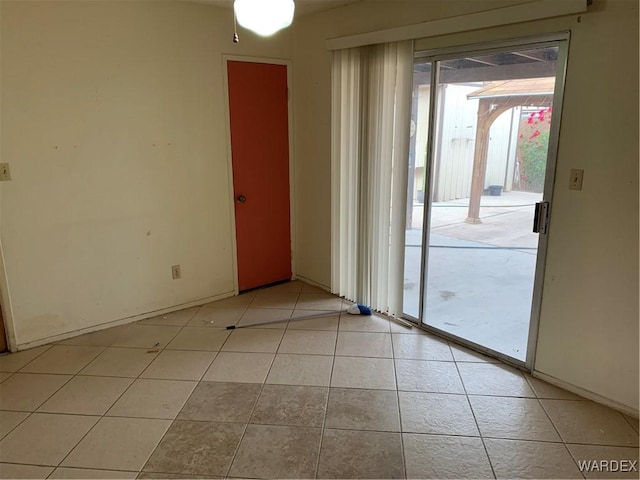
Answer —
176 273
575 179
5 172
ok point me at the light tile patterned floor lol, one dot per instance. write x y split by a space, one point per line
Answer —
179 396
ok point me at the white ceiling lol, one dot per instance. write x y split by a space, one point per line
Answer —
303 7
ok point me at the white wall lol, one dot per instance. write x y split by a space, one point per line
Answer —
113 121
589 324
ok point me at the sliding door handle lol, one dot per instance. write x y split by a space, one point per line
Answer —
541 217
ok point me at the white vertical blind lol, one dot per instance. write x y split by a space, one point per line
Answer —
370 121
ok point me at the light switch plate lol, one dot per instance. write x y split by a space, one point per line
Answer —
5 172
575 179
176 272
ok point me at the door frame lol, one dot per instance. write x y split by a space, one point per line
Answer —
562 40
292 209
5 305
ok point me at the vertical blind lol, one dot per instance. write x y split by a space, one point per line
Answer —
371 101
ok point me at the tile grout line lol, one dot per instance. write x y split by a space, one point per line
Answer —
555 428
247 308
198 382
177 333
17 425
36 408
326 407
49 347
31 413
395 374
163 348
484 445
173 421
133 381
61 373
255 404
490 437
118 399
166 348
326 410
71 468
49 398
9 375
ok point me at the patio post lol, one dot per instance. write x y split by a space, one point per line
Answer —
489 109
479 159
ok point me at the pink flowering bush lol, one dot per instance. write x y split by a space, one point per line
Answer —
533 146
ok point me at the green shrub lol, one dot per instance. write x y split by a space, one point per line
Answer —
533 161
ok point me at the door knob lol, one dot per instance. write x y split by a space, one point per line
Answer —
241 198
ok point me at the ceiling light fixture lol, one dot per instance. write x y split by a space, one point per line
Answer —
264 17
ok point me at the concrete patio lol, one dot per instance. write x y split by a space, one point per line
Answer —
480 276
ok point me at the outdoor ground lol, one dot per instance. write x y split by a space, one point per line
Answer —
480 276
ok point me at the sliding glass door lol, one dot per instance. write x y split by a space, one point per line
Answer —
414 233
484 135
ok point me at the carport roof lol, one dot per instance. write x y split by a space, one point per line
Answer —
515 88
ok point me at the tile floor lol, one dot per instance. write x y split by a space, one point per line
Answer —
179 396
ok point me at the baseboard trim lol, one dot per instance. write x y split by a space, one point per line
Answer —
312 283
587 394
121 321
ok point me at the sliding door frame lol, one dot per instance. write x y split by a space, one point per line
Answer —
560 40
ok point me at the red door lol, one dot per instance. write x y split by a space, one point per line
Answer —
258 110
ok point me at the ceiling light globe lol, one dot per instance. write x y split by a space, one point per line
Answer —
264 17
